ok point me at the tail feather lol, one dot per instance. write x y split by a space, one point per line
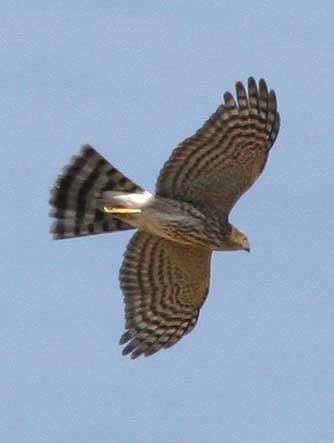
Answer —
76 198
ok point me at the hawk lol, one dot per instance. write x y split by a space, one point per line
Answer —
166 268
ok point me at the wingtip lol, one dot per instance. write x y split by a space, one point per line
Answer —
251 79
263 89
239 85
87 150
252 85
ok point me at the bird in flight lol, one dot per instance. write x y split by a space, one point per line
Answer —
165 272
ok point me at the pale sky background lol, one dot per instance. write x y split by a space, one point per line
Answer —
134 79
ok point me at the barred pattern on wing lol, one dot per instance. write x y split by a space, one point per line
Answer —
214 167
164 285
76 197
164 282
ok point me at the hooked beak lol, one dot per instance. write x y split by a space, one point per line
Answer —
247 249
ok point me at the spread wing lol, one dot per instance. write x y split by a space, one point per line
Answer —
164 285
214 167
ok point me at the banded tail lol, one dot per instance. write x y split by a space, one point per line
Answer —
77 196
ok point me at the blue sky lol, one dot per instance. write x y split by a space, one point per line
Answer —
134 79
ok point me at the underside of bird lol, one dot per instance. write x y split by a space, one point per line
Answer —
166 268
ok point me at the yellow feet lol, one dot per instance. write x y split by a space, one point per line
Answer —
120 210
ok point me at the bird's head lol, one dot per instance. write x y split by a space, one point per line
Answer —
237 241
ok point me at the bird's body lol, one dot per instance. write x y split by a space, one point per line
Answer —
177 221
165 272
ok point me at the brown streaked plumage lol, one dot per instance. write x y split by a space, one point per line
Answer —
163 294
165 273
